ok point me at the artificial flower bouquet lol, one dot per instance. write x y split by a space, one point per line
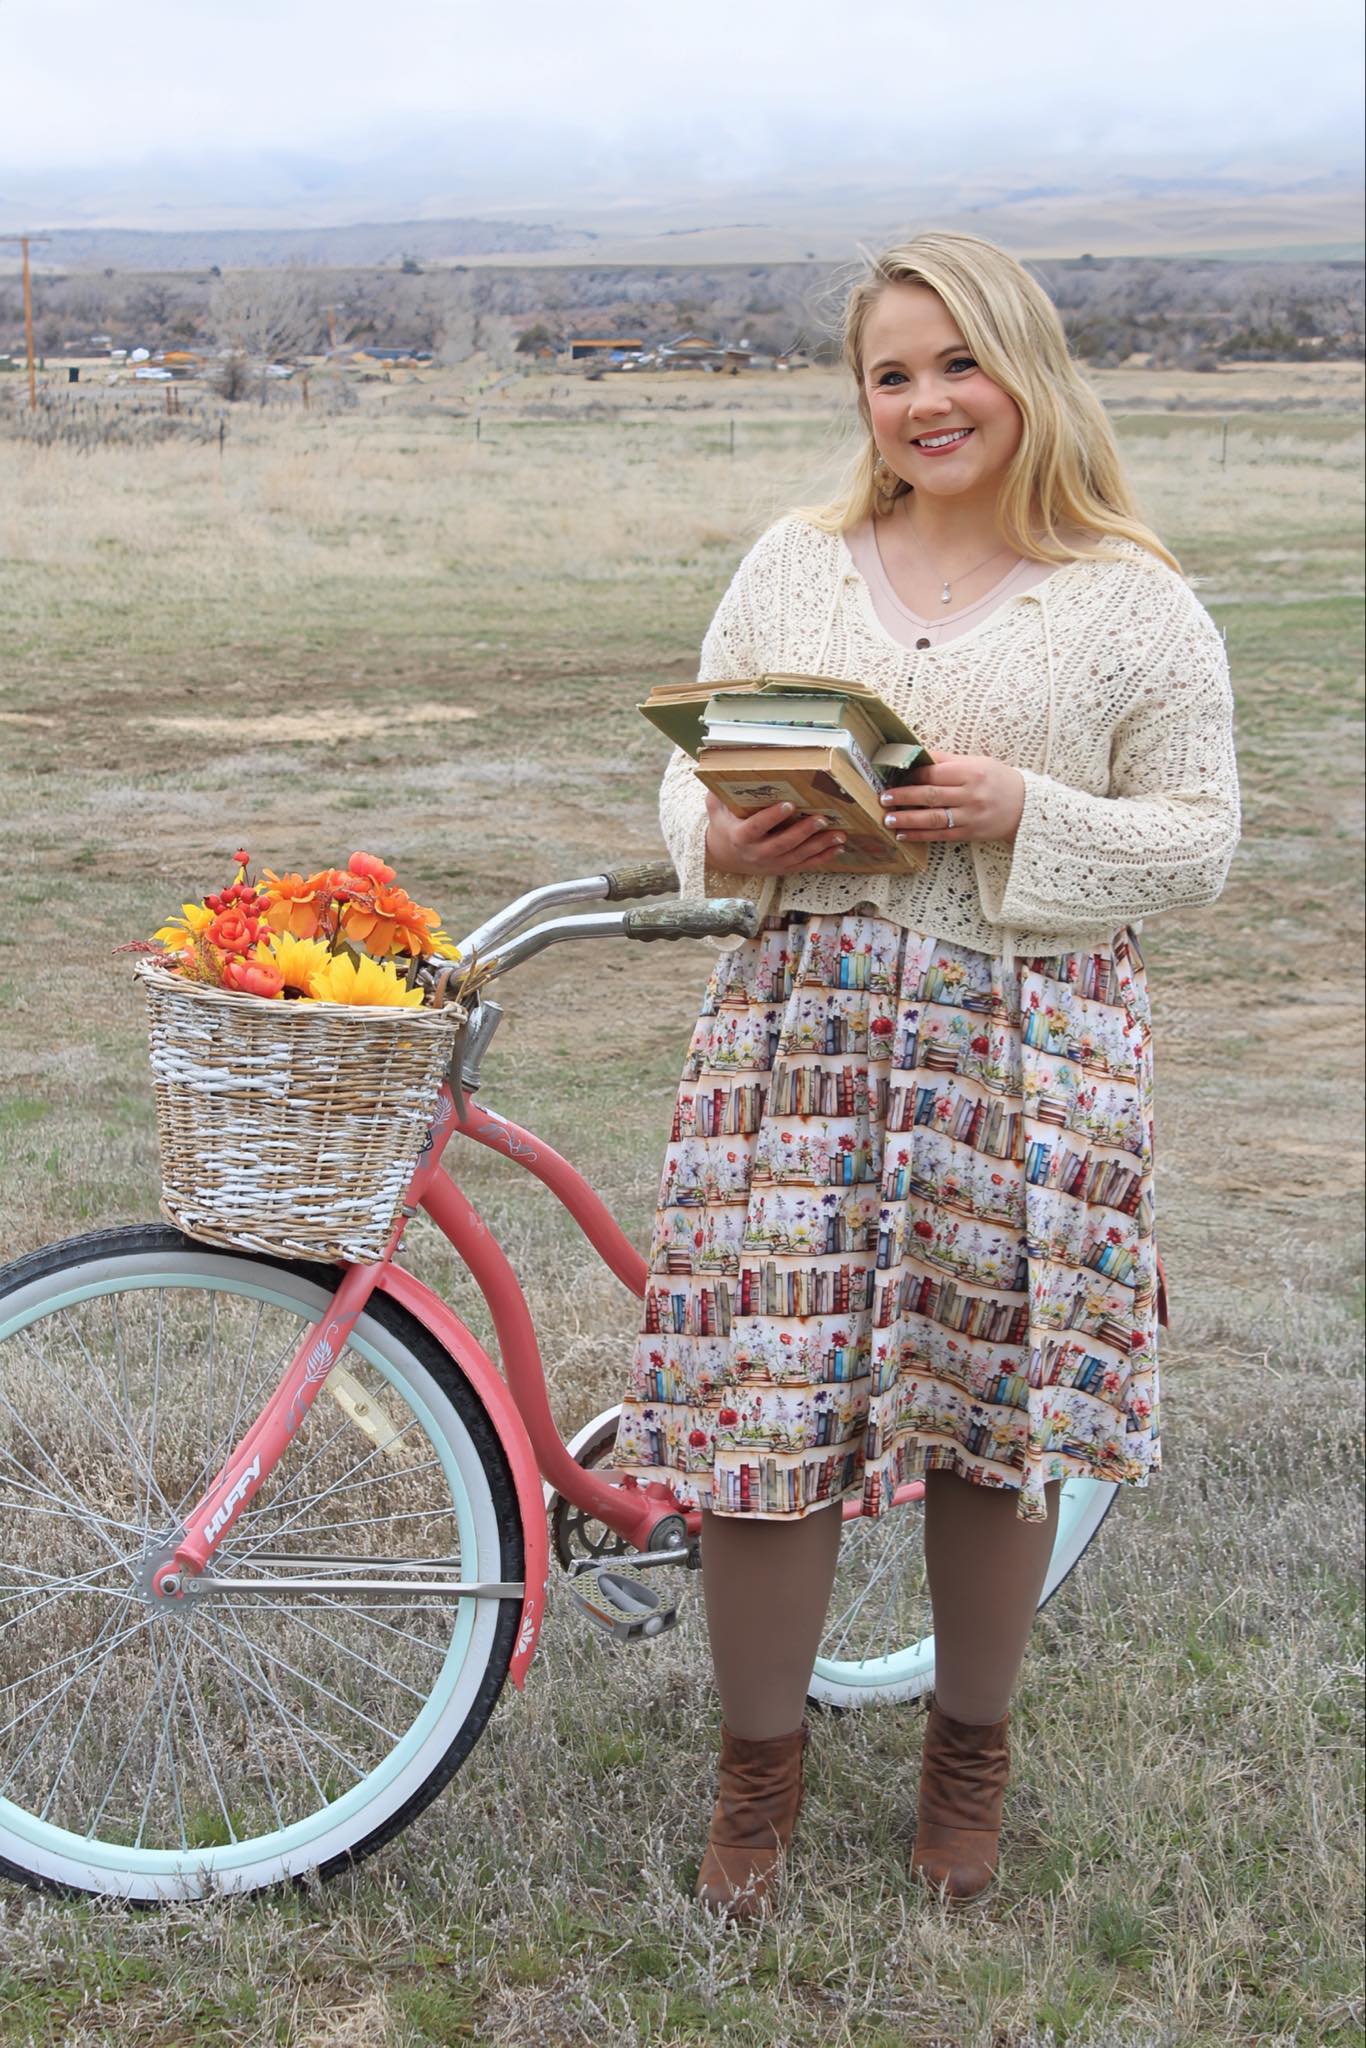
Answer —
344 935
296 1058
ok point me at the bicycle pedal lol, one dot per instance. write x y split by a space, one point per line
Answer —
626 1608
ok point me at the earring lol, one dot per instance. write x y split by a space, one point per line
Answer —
885 478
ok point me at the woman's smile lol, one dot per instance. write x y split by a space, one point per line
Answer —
943 442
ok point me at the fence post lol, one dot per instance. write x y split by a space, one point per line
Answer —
1223 448
732 437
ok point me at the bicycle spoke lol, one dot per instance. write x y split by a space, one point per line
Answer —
129 1437
34 1705
338 1486
51 1715
287 1713
55 1588
204 1750
41 1449
58 1514
75 1735
283 1664
296 1620
258 1748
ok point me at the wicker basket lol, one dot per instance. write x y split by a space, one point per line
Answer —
290 1128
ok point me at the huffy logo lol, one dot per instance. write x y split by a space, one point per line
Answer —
223 1513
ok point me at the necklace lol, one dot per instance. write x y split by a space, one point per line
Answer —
946 595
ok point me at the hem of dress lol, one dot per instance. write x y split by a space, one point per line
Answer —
960 1468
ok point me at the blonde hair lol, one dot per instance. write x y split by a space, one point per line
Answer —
1067 469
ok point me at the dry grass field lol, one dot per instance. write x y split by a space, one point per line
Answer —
371 628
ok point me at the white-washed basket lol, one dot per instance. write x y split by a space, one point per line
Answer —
288 1127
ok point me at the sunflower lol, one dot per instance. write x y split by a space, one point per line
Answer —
298 960
362 981
180 934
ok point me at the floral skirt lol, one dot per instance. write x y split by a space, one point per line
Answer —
905 1224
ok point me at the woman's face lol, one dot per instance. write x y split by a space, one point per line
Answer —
924 388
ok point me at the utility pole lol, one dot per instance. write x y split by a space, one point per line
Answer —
24 241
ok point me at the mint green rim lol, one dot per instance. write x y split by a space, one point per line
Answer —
285 1845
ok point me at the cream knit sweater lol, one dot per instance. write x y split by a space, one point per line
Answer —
1106 685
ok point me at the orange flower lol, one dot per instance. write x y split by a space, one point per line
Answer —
231 932
369 865
387 920
252 977
292 905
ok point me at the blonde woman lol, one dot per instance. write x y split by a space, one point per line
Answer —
992 1253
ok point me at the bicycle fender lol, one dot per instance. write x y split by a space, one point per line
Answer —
483 1375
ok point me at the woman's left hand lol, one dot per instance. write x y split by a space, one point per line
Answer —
986 798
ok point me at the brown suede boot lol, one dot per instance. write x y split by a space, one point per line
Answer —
759 1796
963 1776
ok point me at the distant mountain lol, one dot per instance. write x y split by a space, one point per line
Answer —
479 192
367 244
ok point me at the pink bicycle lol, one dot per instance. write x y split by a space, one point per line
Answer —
275 1534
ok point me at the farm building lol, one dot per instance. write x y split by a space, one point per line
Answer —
583 347
371 354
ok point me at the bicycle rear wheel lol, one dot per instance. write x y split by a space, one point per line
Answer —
157 1750
877 1648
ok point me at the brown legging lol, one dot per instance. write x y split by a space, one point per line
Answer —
767 1586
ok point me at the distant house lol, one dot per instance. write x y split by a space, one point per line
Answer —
180 362
585 347
702 352
369 354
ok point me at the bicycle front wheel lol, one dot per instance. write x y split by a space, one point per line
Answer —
155 1750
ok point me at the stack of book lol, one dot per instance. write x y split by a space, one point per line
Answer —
826 746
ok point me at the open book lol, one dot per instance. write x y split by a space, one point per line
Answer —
820 743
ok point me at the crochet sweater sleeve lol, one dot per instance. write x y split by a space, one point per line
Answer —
730 652
1166 831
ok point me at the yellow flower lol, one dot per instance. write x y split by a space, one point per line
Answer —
177 935
442 943
365 981
298 960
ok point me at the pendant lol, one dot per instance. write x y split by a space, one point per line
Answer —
944 596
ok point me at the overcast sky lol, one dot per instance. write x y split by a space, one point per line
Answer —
87 81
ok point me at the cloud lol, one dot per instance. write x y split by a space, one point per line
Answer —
87 83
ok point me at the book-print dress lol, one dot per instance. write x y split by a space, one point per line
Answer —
906 1215
905 1223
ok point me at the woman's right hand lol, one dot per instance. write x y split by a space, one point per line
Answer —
768 842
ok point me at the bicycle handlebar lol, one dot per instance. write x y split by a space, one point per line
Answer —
643 878
697 918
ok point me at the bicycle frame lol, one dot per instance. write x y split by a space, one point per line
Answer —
519 1408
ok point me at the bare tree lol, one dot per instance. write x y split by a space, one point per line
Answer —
154 308
275 315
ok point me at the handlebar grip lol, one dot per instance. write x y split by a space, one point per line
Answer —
698 917
644 878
